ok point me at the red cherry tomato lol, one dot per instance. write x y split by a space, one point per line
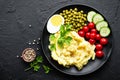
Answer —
81 33
92 35
99 47
87 35
98 37
99 54
103 41
91 41
93 31
85 28
91 25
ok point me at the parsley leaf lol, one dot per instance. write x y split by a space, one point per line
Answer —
68 27
61 41
52 37
64 29
36 67
39 59
68 39
46 68
35 64
52 47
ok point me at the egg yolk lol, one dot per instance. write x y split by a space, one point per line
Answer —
56 20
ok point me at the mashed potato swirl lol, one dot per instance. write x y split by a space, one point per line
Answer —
78 53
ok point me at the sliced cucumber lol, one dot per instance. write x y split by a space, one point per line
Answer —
105 31
90 15
101 24
97 17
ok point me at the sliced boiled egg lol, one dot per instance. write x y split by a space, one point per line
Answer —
54 23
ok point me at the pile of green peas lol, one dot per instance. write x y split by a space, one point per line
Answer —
76 18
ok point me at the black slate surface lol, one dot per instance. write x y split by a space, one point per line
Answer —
22 21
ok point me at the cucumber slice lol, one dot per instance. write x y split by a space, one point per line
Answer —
97 17
90 15
101 24
105 31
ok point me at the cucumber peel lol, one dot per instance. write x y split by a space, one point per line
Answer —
97 17
105 32
90 15
101 24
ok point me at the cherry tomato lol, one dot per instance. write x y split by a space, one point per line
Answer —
99 54
81 33
87 35
93 31
99 47
98 37
92 35
103 41
91 25
91 41
85 28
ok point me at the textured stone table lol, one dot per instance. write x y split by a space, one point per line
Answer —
22 21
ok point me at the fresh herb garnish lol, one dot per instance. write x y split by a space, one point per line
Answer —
35 64
46 68
68 39
39 59
60 41
64 29
52 37
52 47
36 67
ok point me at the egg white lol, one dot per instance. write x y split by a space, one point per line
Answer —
53 29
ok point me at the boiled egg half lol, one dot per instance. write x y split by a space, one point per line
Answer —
54 23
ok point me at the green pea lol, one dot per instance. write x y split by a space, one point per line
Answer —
75 9
61 14
69 15
74 17
70 9
66 10
82 11
82 23
63 11
78 24
81 27
75 13
69 20
84 15
65 16
85 19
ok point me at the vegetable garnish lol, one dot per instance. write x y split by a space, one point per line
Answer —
35 64
64 29
52 47
46 68
52 37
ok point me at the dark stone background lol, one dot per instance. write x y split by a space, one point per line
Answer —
15 33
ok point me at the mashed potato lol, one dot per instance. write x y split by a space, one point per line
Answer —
78 53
